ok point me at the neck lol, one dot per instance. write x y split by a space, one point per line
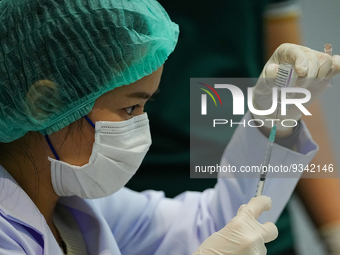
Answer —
30 167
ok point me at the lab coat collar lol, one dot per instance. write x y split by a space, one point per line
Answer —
17 206
94 228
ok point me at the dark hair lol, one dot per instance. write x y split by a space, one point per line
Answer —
18 146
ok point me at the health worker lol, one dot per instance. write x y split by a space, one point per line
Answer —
74 79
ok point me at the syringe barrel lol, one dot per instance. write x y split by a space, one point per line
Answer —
267 153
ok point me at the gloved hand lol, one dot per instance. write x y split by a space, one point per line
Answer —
243 235
314 70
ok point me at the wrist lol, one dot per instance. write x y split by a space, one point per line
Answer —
267 122
286 136
280 133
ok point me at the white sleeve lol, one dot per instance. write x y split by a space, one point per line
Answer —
247 148
149 223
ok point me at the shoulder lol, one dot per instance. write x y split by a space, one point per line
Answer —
17 239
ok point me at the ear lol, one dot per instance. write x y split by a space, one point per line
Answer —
43 99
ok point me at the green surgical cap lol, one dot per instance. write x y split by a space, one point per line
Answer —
58 56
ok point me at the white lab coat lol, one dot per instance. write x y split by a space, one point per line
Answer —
129 222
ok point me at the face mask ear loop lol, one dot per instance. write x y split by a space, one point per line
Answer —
51 147
89 121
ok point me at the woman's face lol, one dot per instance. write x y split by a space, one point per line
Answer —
73 144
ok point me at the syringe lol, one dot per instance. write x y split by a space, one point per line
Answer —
266 160
283 79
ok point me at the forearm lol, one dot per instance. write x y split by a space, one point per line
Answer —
320 196
280 134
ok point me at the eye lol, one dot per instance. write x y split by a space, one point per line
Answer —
131 109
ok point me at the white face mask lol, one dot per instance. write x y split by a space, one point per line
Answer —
117 153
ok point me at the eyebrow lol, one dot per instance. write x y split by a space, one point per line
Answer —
142 95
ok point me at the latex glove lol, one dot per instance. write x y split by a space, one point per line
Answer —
330 234
314 70
243 235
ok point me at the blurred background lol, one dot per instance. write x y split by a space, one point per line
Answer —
320 21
